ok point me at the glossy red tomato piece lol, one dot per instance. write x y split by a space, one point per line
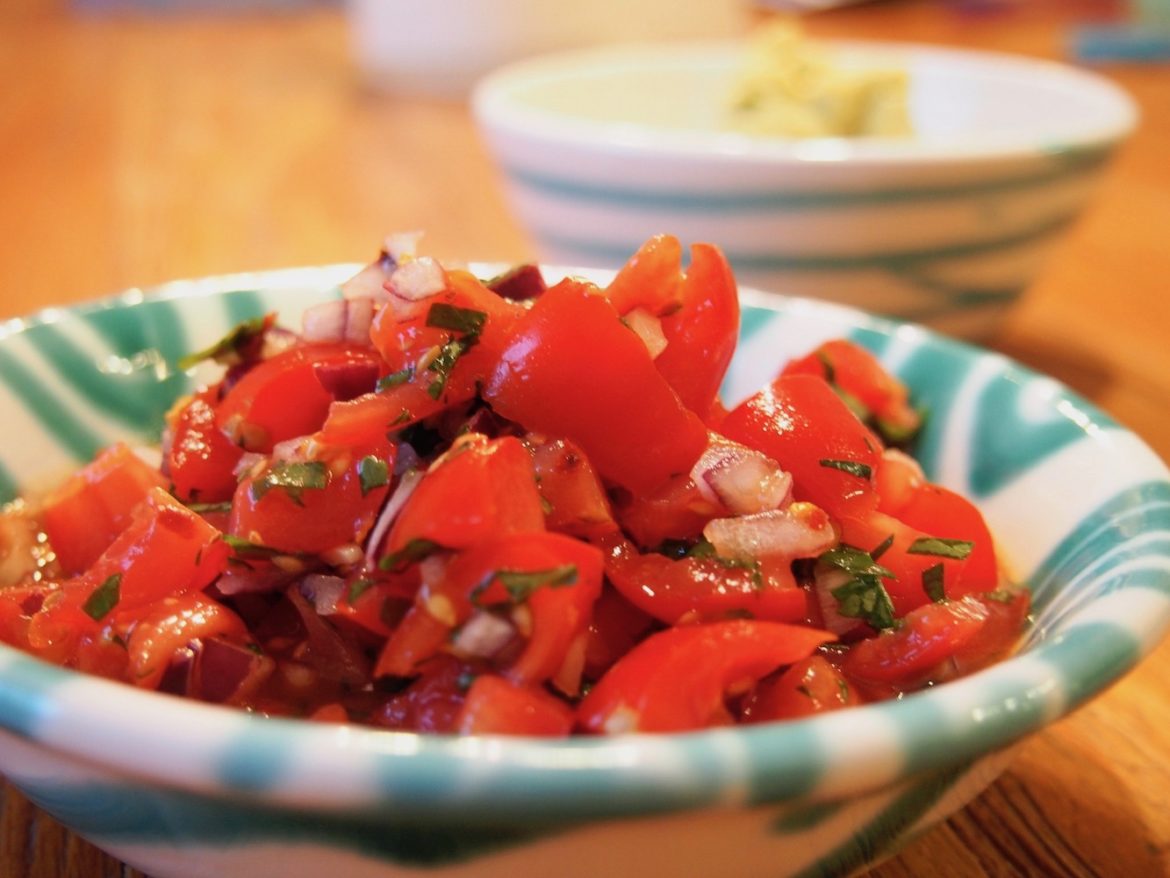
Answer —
283 397
942 513
165 551
937 642
692 589
496 706
679 679
675 511
810 686
650 279
573 370
201 460
575 499
854 370
433 701
95 504
169 626
805 427
556 577
481 489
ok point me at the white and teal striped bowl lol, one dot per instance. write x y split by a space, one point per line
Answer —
600 149
180 788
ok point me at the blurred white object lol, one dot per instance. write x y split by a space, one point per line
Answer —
602 148
440 47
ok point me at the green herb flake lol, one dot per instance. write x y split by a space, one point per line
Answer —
414 550
852 467
842 691
209 508
292 477
827 364
954 549
520 584
932 583
228 348
103 598
403 417
442 365
804 690
243 548
882 547
387 382
357 588
373 473
456 319
863 596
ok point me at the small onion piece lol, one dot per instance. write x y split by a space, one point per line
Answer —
741 479
417 279
339 320
648 328
482 636
401 246
800 531
369 283
406 485
324 591
832 620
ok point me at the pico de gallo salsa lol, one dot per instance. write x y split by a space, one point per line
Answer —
456 505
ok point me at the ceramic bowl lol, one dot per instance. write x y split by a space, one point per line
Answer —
181 788
600 149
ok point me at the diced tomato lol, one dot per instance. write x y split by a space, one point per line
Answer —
165 551
693 589
201 460
283 397
482 488
575 499
675 511
650 279
615 627
572 369
433 701
348 487
169 626
95 504
856 372
557 578
810 686
679 679
496 706
805 427
937 642
942 513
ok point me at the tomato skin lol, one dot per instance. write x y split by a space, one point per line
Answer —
481 489
808 687
324 518
201 461
701 335
703 589
936 642
799 422
571 369
85 514
165 551
282 397
575 498
650 279
559 613
677 510
496 706
642 691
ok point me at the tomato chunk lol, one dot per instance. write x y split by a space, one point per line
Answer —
678 679
495 706
201 460
573 370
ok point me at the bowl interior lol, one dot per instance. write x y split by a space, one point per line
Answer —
675 98
1080 505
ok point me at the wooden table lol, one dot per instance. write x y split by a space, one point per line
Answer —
139 149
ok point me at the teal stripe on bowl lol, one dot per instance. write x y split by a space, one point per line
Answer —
795 200
28 691
9 486
40 401
894 261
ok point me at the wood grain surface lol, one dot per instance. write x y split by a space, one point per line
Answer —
136 149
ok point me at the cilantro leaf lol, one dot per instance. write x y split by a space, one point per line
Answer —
863 596
852 467
955 549
293 477
932 583
386 382
414 550
452 317
373 473
243 548
231 347
444 362
520 584
103 598
357 588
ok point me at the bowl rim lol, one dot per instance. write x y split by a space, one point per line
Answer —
484 778
497 110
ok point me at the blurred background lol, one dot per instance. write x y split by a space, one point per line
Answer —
148 140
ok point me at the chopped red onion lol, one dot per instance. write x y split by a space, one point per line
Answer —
339 320
349 380
520 283
831 619
741 479
482 636
406 485
800 531
648 328
324 591
226 672
400 246
417 279
327 652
